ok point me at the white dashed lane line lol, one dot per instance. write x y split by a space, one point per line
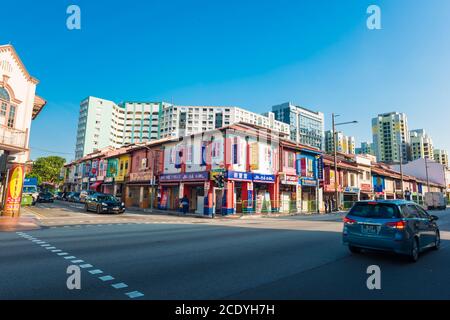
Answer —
82 264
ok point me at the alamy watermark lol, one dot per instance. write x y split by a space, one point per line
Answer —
374 19
74 280
73 21
374 280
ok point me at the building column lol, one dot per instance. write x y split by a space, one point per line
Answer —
209 191
247 197
274 191
228 198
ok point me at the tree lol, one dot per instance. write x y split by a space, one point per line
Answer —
47 169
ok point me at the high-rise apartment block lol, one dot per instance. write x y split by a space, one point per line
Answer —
345 144
391 137
306 126
365 148
103 123
441 156
421 145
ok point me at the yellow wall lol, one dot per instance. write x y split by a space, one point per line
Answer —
124 167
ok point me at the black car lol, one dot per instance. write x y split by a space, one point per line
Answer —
45 197
104 203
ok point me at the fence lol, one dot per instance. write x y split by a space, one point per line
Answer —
249 207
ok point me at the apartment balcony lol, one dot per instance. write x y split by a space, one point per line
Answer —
13 140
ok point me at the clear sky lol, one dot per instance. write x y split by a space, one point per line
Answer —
252 54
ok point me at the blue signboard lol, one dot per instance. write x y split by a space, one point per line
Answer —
266 178
320 168
30 182
188 176
378 184
240 176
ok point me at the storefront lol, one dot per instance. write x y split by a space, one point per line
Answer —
176 185
264 188
139 190
290 193
108 186
366 192
351 195
309 192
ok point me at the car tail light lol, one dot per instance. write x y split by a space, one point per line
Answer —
349 221
397 225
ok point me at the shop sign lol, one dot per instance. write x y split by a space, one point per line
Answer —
351 190
241 176
308 182
366 187
14 191
290 180
108 179
140 176
92 179
85 180
188 176
267 178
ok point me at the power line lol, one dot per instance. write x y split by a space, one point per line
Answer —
51 151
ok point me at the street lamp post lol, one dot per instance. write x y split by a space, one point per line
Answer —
334 125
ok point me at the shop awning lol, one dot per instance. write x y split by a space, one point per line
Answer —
96 185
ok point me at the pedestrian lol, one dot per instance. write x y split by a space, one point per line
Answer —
185 204
326 205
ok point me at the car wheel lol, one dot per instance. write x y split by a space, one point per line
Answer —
354 249
98 210
86 207
437 242
414 255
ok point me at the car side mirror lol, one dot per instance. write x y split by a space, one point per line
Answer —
434 218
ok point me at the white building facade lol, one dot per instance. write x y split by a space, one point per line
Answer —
19 105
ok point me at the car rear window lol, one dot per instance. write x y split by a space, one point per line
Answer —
375 210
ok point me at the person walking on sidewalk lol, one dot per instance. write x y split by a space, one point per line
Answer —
185 204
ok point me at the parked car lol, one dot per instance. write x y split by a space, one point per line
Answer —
435 200
59 195
73 197
45 197
65 196
398 226
84 194
104 203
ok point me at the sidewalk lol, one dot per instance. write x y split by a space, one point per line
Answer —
8 224
237 216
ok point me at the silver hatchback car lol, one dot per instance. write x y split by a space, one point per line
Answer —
398 226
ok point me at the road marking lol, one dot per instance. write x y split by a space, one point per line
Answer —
119 285
134 294
95 271
106 278
77 261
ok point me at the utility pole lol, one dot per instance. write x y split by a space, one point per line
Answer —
336 192
401 169
426 171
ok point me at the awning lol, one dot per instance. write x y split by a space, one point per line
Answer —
96 185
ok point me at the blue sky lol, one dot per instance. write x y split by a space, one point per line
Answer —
251 54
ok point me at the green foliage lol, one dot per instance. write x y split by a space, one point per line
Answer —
47 169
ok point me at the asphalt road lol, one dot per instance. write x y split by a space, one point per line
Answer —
160 257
